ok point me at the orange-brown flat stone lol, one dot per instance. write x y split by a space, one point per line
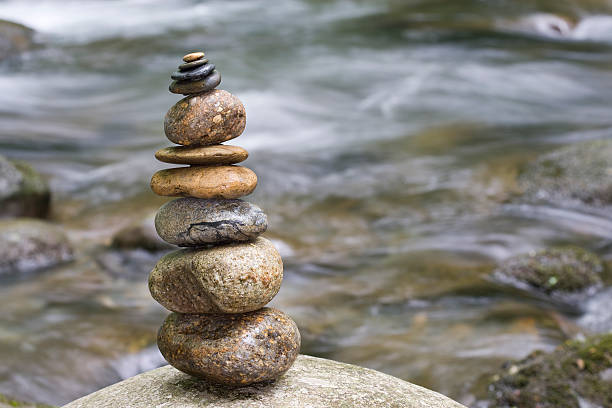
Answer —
204 182
205 119
194 56
216 154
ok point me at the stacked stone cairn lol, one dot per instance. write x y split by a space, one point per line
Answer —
218 286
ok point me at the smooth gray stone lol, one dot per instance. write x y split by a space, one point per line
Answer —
195 74
193 64
196 87
311 382
189 222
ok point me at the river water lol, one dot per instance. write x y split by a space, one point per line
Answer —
386 135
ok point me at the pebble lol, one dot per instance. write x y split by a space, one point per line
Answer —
233 278
237 349
216 154
194 56
204 182
195 74
198 222
195 87
191 65
207 119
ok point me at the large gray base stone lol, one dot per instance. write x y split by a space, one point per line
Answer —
311 382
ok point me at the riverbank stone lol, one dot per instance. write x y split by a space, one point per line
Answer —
28 244
199 222
231 349
204 182
196 87
194 74
194 56
193 64
23 191
311 382
15 38
205 119
234 278
202 155
554 271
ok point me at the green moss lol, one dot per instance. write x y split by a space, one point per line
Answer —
557 379
6 402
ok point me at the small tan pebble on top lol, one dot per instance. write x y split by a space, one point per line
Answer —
216 154
194 56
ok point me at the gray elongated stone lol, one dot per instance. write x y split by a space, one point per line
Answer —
192 221
196 87
310 382
194 74
235 278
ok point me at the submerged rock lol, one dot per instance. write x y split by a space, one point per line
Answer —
310 382
555 271
23 191
29 244
580 172
14 38
140 235
577 374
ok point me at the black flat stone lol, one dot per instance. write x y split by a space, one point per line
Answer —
191 65
196 87
195 74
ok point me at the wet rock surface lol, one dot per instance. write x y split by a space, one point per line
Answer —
196 222
23 191
577 173
29 244
555 271
231 349
228 279
577 374
205 119
310 382
204 155
204 182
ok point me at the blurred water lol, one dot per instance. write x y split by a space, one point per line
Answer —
386 136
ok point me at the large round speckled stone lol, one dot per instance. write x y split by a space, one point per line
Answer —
204 182
234 349
232 278
205 119
196 222
203 155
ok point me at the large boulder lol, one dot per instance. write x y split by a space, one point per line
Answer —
578 173
14 38
23 192
310 382
577 374
30 244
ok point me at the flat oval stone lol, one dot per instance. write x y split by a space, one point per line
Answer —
204 182
196 222
193 64
233 278
235 349
208 119
196 87
195 74
193 56
216 154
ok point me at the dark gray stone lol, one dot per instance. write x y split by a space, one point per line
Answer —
193 64
195 87
195 74
195 222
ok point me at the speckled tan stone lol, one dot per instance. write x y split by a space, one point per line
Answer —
231 349
234 278
194 56
204 182
205 119
216 154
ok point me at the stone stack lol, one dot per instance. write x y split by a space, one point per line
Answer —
218 286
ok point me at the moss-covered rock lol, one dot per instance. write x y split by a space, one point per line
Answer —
23 191
563 270
14 38
28 244
7 402
580 172
576 374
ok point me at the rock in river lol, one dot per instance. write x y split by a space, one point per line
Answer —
203 155
204 182
23 192
197 222
205 119
231 349
226 279
29 244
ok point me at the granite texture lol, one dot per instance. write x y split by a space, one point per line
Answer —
310 383
203 155
231 349
227 279
206 119
204 182
196 222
